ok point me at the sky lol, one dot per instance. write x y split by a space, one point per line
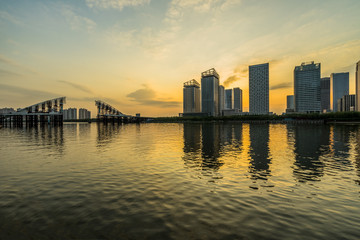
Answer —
136 54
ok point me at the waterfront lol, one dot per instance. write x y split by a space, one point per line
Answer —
180 181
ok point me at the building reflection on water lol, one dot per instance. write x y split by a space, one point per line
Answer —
210 142
202 147
259 151
310 142
357 154
317 148
341 147
106 133
48 136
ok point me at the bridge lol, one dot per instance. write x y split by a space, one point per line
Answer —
50 111
107 113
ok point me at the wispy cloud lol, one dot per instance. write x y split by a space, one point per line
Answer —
6 73
76 21
147 96
10 18
159 42
26 93
284 85
230 80
116 4
240 72
77 86
154 42
13 63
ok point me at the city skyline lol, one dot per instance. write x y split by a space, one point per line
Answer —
137 56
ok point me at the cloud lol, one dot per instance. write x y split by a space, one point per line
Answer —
77 86
241 70
160 41
10 18
13 63
153 42
6 73
76 21
231 80
115 4
284 85
26 94
147 96
108 100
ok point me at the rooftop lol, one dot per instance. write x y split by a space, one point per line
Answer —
305 66
192 83
210 72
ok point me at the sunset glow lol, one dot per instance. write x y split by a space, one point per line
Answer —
136 55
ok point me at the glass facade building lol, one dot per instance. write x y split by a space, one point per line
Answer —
339 87
237 99
357 77
259 89
307 88
325 94
191 97
210 92
221 99
228 99
290 102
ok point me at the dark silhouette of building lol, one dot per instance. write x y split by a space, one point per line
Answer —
325 94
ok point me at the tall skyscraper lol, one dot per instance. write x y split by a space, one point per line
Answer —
237 99
259 89
221 99
290 103
307 87
210 92
191 97
228 99
339 87
325 94
347 103
357 86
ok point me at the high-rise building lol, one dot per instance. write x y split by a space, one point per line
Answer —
339 87
307 88
347 103
228 99
290 103
339 105
357 86
191 101
325 94
70 114
259 89
210 92
221 99
237 99
84 113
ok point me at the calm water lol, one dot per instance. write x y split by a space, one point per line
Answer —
180 181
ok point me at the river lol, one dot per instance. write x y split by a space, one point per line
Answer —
180 181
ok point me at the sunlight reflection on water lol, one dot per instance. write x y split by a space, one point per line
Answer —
180 181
